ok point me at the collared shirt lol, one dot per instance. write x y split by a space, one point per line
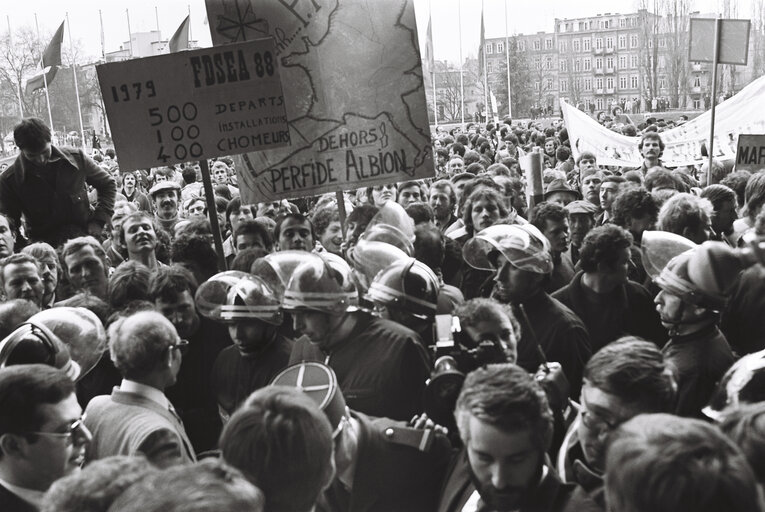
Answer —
153 394
32 496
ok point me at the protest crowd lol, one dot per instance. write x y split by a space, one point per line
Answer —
451 344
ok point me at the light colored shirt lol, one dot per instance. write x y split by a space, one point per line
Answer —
31 496
153 394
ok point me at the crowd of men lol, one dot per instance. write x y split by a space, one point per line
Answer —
445 347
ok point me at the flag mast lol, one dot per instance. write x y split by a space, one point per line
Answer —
76 87
45 76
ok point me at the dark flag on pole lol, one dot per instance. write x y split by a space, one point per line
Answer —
37 82
52 54
180 40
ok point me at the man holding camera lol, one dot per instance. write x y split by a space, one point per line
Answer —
506 426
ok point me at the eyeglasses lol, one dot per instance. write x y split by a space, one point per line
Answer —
180 344
76 432
594 421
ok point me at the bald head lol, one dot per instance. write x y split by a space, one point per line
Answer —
139 344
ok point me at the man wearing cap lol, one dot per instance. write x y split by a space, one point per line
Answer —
49 186
165 196
42 436
381 366
559 192
520 256
581 218
381 465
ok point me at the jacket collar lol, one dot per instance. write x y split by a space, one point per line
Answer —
55 154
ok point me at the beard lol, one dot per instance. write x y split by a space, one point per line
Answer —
509 498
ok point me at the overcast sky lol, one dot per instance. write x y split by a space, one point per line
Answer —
84 18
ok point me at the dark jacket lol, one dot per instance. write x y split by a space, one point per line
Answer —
381 367
561 334
551 495
628 310
700 360
9 502
742 321
56 207
395 470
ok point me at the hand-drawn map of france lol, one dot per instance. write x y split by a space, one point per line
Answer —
353 90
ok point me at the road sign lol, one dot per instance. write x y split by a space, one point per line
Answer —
734 41
195 104
750 153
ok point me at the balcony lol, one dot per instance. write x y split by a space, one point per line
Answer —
598 51
609 71
598 71
697 67
695 90
598 91
610 91
610 50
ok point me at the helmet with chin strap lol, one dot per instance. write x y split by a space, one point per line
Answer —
409 286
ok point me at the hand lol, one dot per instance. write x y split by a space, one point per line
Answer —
422 422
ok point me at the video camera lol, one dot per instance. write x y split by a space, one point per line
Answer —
456 354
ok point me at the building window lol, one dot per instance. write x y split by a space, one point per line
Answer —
662 42
622 42
633 41
586 45
588 84
609 42
598 43
587 64
564 86
489 48
577 45
662 62
537 44
549 84
622 62
600 103
548 62
564 65
598 83
490 66
500 47
622 24
577 65
634 61
622 82
536 85
598 63
610 63
662 83
563 47
537 63
609 83
634 81
522 46
697 81
548 44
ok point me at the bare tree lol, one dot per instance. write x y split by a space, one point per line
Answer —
676 24
650 28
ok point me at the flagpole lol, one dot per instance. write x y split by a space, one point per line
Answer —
130 32
190 39
18 84
156 17
485 72
507 65
462 86
45 77
76 87
103 45
433 57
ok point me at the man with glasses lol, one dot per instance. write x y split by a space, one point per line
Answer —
42 437
623 379
137 418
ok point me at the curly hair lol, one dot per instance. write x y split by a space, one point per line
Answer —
483 193
323 217
603 245
633 203
685 211
737 181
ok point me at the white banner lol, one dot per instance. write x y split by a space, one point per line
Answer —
743 113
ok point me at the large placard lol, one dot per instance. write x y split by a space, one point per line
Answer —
196 104
352 76
750 153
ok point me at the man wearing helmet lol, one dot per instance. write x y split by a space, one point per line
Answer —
381 366
249 306
690 311
520 257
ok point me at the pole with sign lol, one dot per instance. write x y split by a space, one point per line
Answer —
718 41
194 105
